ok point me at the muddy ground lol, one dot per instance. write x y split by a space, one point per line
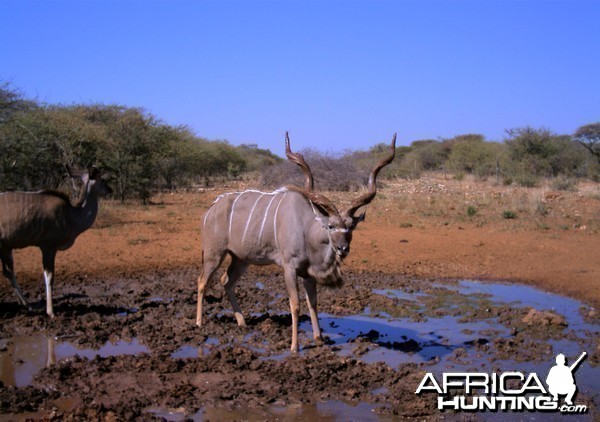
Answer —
234 371
131 278
185 369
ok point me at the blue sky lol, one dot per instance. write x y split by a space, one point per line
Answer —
336 74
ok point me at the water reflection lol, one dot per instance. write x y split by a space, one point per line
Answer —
332 410
21 358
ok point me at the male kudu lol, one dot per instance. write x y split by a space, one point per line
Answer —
298 229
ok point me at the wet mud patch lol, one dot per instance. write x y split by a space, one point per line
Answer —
128 347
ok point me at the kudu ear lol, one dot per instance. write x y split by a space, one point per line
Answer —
323 210
358 218
74 173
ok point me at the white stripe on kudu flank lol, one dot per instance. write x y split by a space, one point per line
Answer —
275 221
233 212
218 204
250 216
262 226
205 217
210 210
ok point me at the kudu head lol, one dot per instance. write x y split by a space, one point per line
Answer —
339 225
92 180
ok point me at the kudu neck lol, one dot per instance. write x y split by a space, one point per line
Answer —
320 239
325 264
85 212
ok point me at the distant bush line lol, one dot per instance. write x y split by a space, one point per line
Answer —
525 157
142 154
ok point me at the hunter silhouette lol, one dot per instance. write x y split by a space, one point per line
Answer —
560 379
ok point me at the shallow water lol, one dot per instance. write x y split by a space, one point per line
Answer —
436 337
436 340
23 357
433 341
579 336
527 296
189 351
333 410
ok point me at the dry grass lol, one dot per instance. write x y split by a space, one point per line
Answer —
434 200
430 201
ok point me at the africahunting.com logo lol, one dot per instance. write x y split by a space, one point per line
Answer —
507 391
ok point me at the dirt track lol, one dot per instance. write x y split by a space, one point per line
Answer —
133 277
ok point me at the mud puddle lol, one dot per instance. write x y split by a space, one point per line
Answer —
447 343
456 344
527 296
21 358
396 341
577 336
384 332
324 411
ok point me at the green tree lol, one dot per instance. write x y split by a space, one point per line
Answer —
175 160
128 149
257 158
541 153
215 158
431 154
472 154
532 149
589 137
32 158
12 102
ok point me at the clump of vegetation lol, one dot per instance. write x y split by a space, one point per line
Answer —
509 215
144 155
589 137
564 183
542 153
541 208
331 173
471 210
141 153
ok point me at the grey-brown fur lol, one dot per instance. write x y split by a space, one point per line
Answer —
297 229
46 219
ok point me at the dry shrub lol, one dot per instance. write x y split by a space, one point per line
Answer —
330 173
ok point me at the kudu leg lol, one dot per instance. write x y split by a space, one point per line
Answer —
209 266
9 273
291 284
48 256
234 272
201 286
202 283
51 353
310 285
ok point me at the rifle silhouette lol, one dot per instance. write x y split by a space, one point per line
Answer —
577 362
